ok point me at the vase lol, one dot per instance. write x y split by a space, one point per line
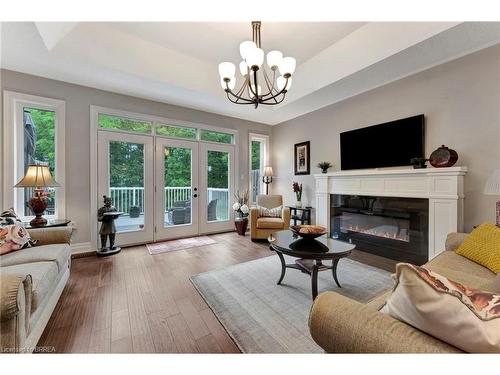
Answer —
298 204
241 224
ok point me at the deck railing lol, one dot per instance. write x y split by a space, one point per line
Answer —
126 197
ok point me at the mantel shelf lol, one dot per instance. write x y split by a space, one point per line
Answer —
395 171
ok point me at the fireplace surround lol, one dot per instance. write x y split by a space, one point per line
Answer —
441 188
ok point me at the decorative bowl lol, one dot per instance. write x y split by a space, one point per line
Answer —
308 231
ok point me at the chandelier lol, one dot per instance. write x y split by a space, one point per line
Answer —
251 92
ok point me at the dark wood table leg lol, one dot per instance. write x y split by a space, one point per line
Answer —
335 262
283 267
314 279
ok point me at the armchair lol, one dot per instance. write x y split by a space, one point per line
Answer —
262 227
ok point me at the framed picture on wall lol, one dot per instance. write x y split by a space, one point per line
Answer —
302 158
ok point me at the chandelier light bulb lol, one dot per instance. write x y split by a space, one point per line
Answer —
245 47
231 83
255 57
227 70
287 65
274 58
243 68
259 90
281 82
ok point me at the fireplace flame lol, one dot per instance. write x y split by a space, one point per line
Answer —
378 233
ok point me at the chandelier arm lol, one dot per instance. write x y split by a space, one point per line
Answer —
236 101
238 94
274 97
268 84
271 89
242 88
283 91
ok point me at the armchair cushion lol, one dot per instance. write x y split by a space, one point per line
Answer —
59 253
270 223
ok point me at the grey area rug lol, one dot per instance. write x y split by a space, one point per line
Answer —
263 317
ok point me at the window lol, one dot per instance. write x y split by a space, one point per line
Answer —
34 134
207 135
258 159
39 138
176 131
122 123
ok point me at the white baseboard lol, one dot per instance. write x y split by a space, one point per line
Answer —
81 247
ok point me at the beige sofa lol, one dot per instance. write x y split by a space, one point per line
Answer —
262 227
31 282
341 325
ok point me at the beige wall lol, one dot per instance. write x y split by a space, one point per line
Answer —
461 102
78 100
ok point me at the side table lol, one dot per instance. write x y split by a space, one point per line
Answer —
302 214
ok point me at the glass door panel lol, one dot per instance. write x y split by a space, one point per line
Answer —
125 165
176 188
216 187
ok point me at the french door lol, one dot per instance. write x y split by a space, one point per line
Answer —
177 195
175 188
125 173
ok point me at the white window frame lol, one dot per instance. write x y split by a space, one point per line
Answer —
264 161
13 149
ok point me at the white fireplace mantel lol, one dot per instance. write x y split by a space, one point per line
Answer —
443 187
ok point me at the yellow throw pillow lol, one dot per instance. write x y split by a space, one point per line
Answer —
483 246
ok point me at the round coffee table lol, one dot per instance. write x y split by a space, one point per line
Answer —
310 254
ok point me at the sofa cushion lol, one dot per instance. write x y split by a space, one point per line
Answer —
483 246
461 269
59 253
270 223
44 277
461 316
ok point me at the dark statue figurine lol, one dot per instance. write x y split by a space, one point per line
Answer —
107 216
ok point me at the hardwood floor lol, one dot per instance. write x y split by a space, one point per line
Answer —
134 302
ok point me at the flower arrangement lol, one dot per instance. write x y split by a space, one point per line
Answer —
297 189
324 166
240 206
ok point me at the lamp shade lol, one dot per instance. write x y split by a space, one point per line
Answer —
231 83
246 47
227 69
274 58
492 186
37 176
268 171
281 82
255 57
287 65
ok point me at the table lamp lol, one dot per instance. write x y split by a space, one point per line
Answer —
267 178
38 177
492 187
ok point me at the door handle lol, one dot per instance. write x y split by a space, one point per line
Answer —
195 195
195 189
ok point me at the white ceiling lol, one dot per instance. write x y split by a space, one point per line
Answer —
176 62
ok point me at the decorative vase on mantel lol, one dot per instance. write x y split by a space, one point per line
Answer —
241 224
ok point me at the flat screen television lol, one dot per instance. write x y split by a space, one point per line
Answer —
390 144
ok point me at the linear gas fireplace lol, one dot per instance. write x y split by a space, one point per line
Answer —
396 228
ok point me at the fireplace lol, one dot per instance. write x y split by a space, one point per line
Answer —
395 228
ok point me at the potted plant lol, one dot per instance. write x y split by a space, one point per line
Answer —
297 189
324 166
418 163
241 212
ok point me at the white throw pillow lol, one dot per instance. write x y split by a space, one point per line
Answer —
269 212
466 318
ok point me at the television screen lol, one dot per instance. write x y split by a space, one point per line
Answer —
390 144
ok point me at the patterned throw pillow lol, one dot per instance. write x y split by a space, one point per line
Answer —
9 217
12 237
464 317
269 212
